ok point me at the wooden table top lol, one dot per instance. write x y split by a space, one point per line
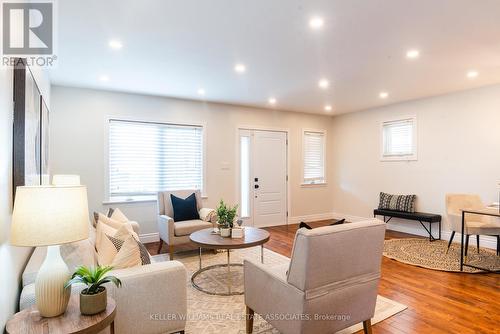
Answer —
206 239
29 320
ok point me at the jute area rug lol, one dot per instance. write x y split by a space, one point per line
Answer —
432 255
226 314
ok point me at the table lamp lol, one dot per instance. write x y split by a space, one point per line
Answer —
50 216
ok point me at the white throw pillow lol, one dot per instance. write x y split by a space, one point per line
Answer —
120 248
119 216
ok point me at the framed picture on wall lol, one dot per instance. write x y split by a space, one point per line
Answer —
31 120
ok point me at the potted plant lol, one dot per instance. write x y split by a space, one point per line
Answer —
93 299
225 218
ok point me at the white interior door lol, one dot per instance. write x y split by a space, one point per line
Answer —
263 177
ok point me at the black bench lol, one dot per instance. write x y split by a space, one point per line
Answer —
417 216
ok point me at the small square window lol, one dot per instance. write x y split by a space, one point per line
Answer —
399 139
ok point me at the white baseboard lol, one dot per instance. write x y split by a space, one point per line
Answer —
311 218
149 237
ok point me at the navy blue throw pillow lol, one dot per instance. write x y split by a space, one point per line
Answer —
184 209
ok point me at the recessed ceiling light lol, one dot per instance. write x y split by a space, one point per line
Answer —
383 95
115 44
104 78
240 68
472 74
323 84
328 107
201 91
316 23
272 100
412 54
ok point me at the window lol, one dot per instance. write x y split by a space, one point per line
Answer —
314 157
146 157
245 175
399 139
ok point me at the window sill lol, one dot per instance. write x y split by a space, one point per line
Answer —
128 201
399 158
312 185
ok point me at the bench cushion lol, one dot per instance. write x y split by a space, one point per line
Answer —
419 216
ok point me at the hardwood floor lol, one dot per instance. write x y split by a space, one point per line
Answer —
438 302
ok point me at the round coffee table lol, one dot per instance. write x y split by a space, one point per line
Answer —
208 239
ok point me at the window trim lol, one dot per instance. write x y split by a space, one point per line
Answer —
115 200
402 157
303 182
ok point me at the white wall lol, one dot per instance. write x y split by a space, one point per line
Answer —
78 123
458 151
12 259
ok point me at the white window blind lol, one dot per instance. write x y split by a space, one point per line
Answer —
314 157
399 138
145 158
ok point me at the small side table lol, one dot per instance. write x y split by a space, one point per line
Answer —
29 320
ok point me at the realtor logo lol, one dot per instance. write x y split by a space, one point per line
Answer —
27 28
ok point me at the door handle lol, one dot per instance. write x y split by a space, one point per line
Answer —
256 186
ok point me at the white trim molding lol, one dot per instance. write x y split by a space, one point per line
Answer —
149 237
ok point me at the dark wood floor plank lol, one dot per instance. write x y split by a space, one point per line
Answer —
438 302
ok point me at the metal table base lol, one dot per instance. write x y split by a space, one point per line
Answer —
227 265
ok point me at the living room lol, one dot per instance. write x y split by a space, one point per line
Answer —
205 150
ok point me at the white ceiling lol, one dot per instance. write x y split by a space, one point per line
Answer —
172 48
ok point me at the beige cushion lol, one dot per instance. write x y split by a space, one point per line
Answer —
187 227
110 221
101 230
119 216
129 254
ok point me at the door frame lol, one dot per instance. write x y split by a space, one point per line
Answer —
238 167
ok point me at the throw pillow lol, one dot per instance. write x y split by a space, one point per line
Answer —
404 203
118 215
122 249
184 209
338 222
208 215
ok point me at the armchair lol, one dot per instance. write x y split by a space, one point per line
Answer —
330 283
177 233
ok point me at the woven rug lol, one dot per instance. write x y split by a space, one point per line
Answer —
225 314
432 255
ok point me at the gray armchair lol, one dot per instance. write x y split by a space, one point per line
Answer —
177 233
330 283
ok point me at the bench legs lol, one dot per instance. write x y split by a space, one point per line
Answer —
428 230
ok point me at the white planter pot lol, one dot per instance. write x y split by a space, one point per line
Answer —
225 232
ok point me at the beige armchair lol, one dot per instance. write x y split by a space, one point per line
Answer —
177 233
474 224
330 283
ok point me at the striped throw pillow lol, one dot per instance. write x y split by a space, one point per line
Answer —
405 203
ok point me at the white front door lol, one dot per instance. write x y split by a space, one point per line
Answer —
263 177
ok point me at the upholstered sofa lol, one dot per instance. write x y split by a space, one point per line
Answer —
152 299
177 233
329 284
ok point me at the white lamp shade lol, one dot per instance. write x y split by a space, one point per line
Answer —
48 215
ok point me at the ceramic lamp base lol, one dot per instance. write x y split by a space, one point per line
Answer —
51 296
